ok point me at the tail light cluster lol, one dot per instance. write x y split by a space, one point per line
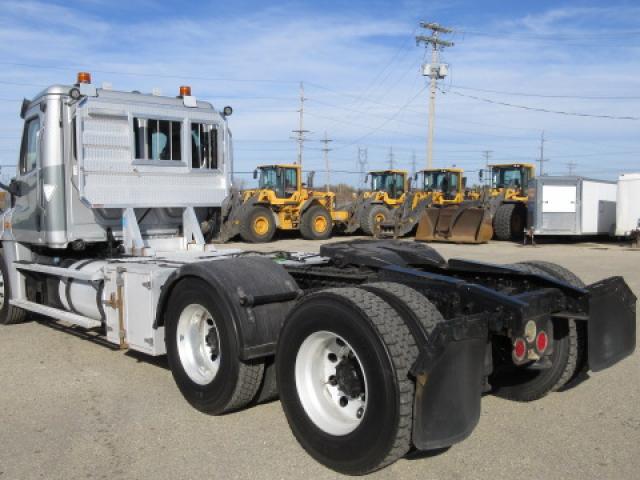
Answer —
531 346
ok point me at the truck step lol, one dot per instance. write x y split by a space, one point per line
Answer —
58 314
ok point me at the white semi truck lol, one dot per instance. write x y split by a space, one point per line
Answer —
378 346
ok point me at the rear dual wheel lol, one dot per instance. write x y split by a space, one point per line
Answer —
343 370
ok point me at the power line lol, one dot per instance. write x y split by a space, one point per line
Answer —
544 110
539 95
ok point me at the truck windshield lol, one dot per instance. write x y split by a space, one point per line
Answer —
508 177
392 183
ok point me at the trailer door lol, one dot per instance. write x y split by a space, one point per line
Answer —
559 209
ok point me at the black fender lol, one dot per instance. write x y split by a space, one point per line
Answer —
254 291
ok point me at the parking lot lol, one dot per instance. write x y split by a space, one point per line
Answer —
72 408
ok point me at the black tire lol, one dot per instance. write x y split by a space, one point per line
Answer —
236 383
269 389
525 384
373 215
407 302
510 221
250 226
9 314
381 339
311 222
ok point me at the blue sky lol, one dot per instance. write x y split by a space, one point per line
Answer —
361 70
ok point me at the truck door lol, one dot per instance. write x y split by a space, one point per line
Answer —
27 216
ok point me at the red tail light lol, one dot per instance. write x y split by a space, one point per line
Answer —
519 350
542 341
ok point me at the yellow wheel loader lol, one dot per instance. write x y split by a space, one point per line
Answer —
500 210
508 199
442 186
281 202
375 206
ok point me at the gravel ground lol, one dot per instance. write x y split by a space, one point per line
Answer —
71 408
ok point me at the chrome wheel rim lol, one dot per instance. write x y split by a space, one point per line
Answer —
334 401
198 343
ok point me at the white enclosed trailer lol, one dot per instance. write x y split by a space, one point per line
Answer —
628 205
571 206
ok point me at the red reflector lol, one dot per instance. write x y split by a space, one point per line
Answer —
519 349
542 342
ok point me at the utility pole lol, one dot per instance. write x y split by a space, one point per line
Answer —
300 133
362 162
541 160
325 153
435 71
390 158
413 163
571 166
487 156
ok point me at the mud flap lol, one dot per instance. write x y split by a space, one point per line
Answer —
611 324
449 386
456 224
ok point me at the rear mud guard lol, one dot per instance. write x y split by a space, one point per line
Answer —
449 385
612 323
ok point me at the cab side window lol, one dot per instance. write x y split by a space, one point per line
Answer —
204 146
29 149
157 139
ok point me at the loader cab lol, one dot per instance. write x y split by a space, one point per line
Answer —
392 182
283 180
513 176
448 182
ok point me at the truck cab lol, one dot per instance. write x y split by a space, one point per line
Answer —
88 154
512 179
445 185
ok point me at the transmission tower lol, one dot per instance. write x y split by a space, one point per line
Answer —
571 166
541 159
300 132
391 158
325 154
362 163
435 71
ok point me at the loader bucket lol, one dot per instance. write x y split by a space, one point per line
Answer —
455 224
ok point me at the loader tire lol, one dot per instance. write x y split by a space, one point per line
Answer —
372 216
258 225
316 223
510 221
8 313
342 366
523 384
203 352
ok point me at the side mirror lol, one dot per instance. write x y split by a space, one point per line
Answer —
366 178
464 182
255 174
480 174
